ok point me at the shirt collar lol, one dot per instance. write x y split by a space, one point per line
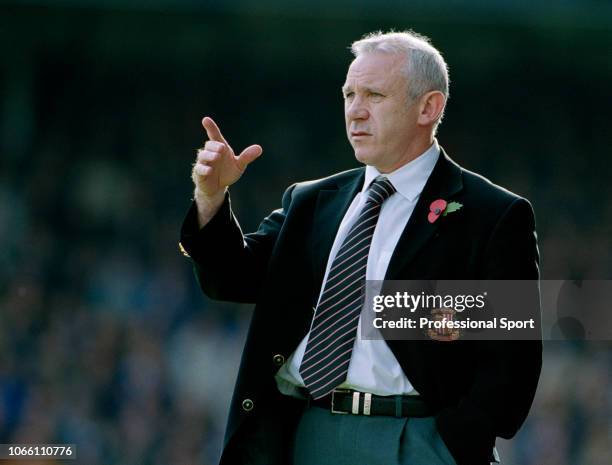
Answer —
410 178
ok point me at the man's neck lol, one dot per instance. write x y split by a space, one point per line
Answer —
416 149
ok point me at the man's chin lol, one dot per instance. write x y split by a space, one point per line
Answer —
364 157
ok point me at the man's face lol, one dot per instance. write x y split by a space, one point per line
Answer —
380 123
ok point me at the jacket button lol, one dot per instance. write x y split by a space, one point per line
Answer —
278 360
247 405
183 251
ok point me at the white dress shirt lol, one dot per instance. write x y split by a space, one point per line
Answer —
373 367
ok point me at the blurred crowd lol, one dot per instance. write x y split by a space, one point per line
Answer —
106 341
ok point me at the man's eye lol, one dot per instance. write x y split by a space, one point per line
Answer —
376 94
349 95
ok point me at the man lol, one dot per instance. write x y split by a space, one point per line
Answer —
412 402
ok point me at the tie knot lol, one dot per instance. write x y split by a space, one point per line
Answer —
380 190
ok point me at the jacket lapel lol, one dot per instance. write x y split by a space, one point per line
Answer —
332 204
443 183
331 207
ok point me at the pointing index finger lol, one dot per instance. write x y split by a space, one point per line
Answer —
212 130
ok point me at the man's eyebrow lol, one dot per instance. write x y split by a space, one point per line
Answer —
371 89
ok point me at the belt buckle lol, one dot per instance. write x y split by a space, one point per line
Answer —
333 398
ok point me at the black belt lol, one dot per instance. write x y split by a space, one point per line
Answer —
364 403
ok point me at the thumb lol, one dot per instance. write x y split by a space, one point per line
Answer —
248 155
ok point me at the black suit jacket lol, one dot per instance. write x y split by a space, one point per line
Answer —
486 387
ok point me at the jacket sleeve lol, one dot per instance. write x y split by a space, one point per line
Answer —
228 264
508 371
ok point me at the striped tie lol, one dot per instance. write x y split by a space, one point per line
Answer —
334 325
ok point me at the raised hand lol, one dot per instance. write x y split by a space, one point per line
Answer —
216 168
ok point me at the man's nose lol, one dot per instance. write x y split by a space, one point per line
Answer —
357 110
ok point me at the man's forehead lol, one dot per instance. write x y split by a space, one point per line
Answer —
373 68
377 58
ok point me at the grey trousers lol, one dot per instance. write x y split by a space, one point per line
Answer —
324 438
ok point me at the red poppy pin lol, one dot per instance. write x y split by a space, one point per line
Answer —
441 208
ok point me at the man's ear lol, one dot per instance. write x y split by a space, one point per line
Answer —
431 107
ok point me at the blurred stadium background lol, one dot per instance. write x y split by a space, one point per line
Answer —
105 339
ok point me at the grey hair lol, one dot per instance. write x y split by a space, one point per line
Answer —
425 68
